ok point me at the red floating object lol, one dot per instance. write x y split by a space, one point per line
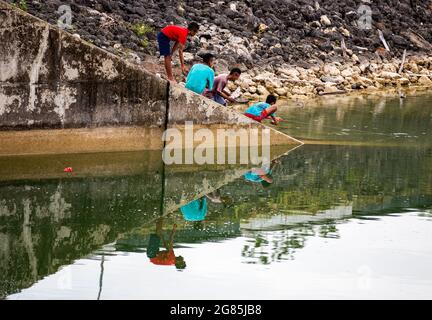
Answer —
68 169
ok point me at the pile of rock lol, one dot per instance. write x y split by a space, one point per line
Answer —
290 48
298 82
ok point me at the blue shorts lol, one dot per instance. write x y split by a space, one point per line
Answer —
164 44
219 99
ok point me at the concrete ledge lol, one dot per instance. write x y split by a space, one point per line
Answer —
79 140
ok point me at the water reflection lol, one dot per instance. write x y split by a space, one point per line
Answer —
246 217
167 256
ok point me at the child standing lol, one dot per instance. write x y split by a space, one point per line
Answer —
179 35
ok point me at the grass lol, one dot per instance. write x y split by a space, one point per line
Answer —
21 4
142 30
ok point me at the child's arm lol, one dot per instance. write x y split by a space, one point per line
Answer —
210 81
179 46
225 95
275 120
182 63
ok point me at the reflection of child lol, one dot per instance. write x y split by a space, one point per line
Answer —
261 175
165 257
195 210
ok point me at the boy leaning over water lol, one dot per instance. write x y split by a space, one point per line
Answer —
264 110
179 35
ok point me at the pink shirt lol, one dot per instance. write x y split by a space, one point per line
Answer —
220 83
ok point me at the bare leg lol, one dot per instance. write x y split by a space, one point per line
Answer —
168 68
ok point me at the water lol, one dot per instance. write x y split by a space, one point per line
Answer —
349 216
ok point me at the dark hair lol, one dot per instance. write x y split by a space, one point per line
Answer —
193 26
271 99
235 70
207 57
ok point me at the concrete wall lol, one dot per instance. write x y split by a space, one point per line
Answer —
50 79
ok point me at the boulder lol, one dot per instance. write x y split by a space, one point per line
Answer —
403 81
336 79
281 91
290 72
325 21
425 81
389 75
261 90
331 70
348 72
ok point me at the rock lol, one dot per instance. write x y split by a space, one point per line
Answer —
281 91
425 81
331 70
290 72
389 75
252 89
336 79
413 67
315 24
304 90
133 57
381 81
263 76
366 82
273 82
348 72
188 57
364 66
330 88
325 21
344 32
261 90
262 28
355 58
404 81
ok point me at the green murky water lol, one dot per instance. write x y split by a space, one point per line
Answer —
347 217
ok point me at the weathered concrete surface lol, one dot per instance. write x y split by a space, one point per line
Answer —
185 106
50 79
83 140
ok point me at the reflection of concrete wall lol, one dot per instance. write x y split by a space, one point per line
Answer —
47 224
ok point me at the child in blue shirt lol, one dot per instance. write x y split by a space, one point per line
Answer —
201 76
264 110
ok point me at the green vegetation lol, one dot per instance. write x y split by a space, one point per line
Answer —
142 30
21 4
